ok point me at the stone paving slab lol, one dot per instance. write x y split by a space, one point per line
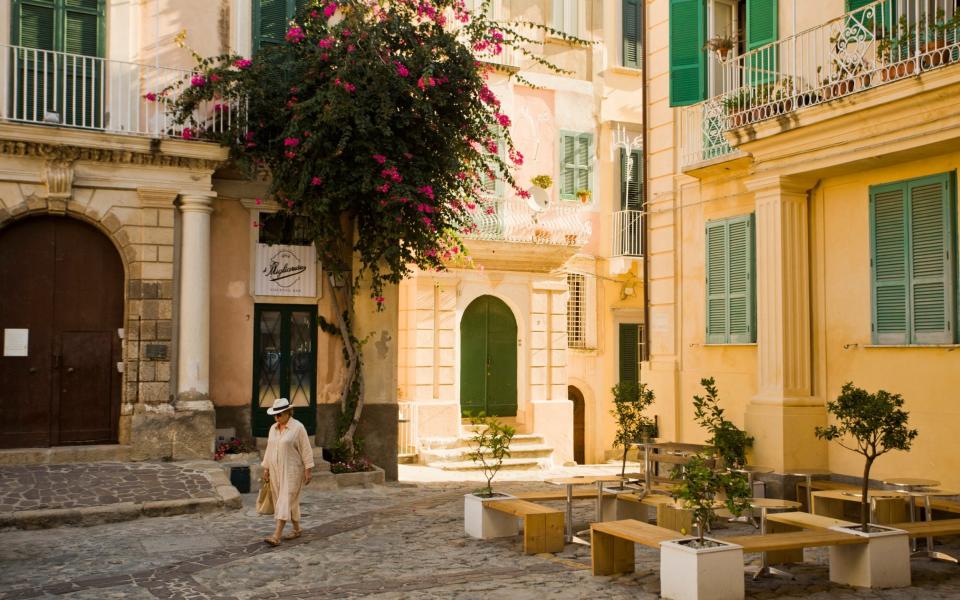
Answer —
40 496
391 542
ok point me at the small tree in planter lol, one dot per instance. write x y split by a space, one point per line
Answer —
876 423
493 445
700 485
630 399
730 441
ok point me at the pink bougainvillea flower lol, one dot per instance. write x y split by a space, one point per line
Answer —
402 71
214 77
242 63
259 201
380 158
349 87
316 181
150 96
289 142
198 81
516 157
329 9
504 120
492 147
290 154
326 42
426 191
289 203
383 189
379 299
407 155
256 224
295 35
187 133
426 221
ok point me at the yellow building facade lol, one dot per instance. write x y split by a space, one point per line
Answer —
803 221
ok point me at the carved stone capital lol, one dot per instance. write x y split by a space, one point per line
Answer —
156 197
58 178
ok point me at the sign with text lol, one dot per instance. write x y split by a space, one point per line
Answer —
283 270
16 342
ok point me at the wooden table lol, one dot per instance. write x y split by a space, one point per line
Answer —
886 506
767 504
749 471
911 484
569 482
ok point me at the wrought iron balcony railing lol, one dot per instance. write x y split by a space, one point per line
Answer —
517 220
627 233
876 44
86 92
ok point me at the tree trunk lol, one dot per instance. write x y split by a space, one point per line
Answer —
864 498
623 467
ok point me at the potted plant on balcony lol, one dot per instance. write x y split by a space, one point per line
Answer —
735 104
542 181
896 51
492 445
876 424
584 196
700 568
721 44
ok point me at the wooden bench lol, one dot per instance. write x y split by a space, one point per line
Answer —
922 529
542 526
611 544
560 495
797 521
794 540
941 504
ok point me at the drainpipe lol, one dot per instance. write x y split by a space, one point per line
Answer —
645 194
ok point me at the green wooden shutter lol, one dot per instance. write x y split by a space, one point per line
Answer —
629 358
889 264
584 164
630 196
576 164
740 277
716 272
931 269
762 30
270 19
632 20
687 57
34 24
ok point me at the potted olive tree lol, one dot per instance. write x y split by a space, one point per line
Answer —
630 399
730 441
870 425
703 568
492 445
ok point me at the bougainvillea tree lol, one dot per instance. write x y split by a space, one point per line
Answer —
376 128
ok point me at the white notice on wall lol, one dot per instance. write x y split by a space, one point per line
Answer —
15 342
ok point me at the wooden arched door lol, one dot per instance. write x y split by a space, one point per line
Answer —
61 289
488 359
579 423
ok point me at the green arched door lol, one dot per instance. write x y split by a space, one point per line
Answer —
488 359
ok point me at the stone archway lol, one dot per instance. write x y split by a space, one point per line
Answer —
488 358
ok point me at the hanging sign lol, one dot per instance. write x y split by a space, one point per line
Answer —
15 342
286 270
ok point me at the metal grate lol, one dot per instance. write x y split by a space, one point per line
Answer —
576 303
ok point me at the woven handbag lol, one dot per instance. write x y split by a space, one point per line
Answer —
265 499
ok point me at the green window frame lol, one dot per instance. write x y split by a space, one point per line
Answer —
565 16
731 281
632 32
629 340
74 26
576 163
913 244
270 19
688 59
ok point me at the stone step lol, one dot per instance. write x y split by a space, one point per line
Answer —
466 442
509 464
461 454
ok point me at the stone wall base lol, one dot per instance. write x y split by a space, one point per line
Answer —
163 432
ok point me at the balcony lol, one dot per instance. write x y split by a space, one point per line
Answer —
877 44
542 238
627 230
85 92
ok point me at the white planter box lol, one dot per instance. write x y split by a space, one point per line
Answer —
481 522
883 562
688 573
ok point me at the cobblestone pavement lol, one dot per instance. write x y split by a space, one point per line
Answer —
35 487
391 542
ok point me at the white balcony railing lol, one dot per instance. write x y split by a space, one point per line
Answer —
407 432
627 233
517 220
86 92
876 44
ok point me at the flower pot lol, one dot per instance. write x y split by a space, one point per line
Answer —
723 52
882 562
485 524
935 55
898 71
584 198
688 573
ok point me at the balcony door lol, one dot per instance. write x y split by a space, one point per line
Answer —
722 22
56 64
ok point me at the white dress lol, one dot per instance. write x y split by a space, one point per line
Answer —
287 455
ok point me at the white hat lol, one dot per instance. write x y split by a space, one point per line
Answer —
279 405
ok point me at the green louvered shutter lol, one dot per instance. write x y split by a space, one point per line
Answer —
34 27
740 277
762 30
576 151
632 28
270 18
931 265
34 24
687 57
630 196
716 271
83 77
889 264
629 358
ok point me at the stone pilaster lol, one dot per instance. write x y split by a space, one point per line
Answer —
783 414
193 356
550 413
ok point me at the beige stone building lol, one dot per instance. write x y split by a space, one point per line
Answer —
803 219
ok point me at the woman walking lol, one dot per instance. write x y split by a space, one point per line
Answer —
287 467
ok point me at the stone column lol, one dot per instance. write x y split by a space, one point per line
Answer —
193 356
783 414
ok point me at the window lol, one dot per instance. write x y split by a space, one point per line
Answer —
632 351
913 269
282 228
476 5
270 19
632 33
731 293
576 164
492 180
628 225
576 311
565 16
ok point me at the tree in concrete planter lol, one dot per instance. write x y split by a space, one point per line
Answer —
730 441
876 423
630 399
700 484
492 439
